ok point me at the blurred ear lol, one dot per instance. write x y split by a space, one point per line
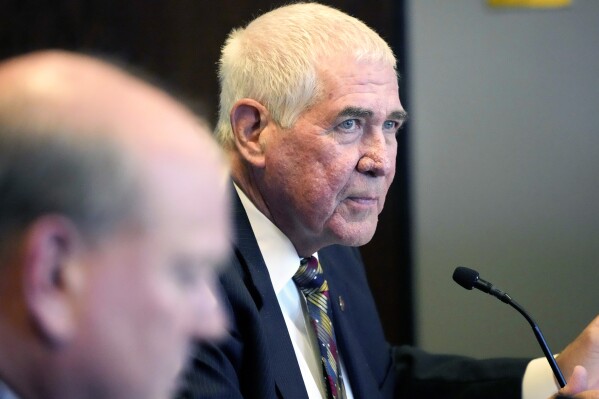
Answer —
249 120
51 245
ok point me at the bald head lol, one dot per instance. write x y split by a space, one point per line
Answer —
79 93
113 219
75 128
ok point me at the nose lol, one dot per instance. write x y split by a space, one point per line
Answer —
208 321
377 155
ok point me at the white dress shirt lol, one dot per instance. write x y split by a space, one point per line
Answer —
282 261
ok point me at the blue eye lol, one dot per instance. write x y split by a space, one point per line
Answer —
390 125
348 124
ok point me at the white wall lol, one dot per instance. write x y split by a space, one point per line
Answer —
505 125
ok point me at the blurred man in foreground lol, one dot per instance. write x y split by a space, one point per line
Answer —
113 219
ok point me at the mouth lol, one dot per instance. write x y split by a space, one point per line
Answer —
365 201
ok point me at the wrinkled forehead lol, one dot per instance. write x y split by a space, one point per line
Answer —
346 75
331 63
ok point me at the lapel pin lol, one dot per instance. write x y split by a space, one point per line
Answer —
341 303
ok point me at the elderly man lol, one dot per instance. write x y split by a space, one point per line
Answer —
309 113
113 219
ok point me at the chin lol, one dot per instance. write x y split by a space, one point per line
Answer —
356 237
351 231
362 240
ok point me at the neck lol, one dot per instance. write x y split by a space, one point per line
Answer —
245 178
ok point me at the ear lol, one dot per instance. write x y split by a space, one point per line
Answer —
51 245
250 121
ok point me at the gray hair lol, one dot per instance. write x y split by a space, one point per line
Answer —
274 59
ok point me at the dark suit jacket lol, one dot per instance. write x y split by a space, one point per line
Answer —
258 360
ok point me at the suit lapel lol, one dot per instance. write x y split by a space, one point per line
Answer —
282 360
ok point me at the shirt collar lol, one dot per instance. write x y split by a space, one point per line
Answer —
280 256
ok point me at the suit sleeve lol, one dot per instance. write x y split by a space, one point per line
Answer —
422 375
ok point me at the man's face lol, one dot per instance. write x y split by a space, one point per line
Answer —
148 292
327 176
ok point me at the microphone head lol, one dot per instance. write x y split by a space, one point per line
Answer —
465 277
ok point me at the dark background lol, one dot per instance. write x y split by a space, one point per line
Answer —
179 42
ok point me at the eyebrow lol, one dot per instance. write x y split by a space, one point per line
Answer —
400 115
357 112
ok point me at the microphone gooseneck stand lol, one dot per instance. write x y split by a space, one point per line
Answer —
469 279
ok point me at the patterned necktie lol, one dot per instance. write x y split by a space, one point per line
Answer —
310 280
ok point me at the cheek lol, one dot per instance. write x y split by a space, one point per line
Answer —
121 338
157 328
131 324
329 184
163 304
326 171
391 175
308 175
143 314
318 189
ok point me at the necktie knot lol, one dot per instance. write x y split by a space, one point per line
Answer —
309 278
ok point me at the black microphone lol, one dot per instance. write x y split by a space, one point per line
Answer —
469 279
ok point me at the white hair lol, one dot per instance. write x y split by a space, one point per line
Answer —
274 59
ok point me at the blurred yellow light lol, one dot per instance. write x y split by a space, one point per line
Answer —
530 3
